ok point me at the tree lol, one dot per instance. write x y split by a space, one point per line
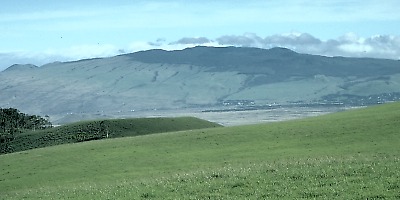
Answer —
13 121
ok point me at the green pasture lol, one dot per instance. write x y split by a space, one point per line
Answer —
347 155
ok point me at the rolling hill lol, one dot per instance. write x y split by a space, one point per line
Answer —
345 155
199 78
100 129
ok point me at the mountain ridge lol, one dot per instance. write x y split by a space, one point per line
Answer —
21 67
196 78
239 56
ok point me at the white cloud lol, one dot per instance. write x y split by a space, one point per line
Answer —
349 45
245 40
36 58
141 46
51 55
192 40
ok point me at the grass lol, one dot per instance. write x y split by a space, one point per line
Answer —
346 155
101 129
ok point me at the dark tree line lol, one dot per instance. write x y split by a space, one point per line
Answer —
13 121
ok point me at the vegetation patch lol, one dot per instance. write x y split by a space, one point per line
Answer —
13 122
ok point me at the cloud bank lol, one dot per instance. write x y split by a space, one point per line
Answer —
188 40
348 45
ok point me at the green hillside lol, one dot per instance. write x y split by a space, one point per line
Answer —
346 155
100 129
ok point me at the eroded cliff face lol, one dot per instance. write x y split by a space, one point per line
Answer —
197 77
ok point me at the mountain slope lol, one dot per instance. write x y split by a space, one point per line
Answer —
193 78
345 155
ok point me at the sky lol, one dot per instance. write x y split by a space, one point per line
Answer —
43 31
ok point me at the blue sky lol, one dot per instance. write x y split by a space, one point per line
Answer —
43 31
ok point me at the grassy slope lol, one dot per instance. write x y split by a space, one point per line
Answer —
98 129
347 155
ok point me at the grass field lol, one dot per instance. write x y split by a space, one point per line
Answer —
345 155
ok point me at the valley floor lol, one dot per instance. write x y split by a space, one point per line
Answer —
235 117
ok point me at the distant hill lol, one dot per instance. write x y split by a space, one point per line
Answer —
21 67
199 78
